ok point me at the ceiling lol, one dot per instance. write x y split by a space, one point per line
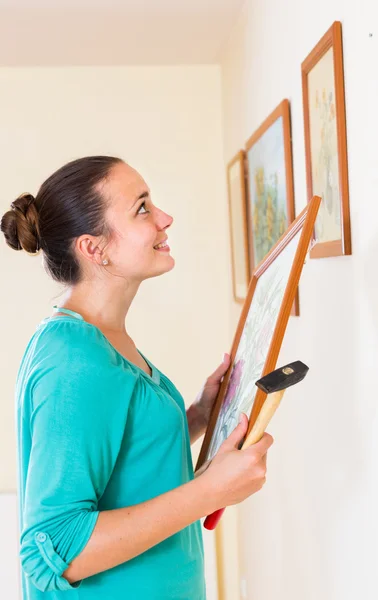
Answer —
114 32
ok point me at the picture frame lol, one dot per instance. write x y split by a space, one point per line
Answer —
260 332
236 185
270 189
326 143
270 182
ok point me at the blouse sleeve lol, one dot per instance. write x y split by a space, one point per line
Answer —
77 424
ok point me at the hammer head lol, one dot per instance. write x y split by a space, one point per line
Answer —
282 378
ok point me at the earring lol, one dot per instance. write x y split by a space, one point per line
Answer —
105 262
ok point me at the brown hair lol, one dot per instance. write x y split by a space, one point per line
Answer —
68 204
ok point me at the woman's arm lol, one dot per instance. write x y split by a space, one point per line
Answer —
124 533
121 534
197 422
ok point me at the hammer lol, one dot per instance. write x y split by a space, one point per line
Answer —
274 385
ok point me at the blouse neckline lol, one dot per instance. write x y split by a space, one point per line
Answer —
70 314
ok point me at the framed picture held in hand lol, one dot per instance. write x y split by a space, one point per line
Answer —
260 331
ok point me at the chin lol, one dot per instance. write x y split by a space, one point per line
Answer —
169 265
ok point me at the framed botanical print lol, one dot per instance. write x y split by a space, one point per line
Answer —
260 331
238 226
326 143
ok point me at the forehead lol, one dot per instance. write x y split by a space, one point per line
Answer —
123 185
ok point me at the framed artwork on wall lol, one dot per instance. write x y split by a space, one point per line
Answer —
270 178
238 226
326 144
260 331
270 205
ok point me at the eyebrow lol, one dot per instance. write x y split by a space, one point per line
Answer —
140 197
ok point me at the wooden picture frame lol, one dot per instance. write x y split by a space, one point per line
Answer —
270 189
260 331
269 156
326 143
236 185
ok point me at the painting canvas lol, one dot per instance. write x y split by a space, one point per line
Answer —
325 138
238 226
270 177
260 332
267 196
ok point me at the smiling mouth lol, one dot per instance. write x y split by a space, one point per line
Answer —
161 245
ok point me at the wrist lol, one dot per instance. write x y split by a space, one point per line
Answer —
205 494
202 416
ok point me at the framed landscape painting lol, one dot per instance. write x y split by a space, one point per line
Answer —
260 331
270 185
270 178
325 143
238 226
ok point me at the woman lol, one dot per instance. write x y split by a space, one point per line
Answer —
109 505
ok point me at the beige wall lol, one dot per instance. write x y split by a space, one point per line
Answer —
312 532
167 123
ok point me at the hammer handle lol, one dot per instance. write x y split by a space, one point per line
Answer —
267 411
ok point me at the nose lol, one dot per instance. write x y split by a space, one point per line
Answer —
163 220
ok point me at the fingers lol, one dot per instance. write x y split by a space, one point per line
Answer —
234 439
237 436
262 446
219 371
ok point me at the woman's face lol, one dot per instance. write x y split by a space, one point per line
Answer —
137 226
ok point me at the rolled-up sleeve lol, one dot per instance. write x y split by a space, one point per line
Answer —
77 423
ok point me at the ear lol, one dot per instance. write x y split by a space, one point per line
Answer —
87 246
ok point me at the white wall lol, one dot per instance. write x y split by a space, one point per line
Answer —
312 532
167 123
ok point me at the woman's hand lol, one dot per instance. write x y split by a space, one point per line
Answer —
210 389
199 412
233 475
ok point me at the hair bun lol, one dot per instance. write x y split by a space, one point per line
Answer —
20 225
23 202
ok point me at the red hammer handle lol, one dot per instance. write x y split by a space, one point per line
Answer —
212 520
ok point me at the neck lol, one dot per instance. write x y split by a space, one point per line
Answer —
102 304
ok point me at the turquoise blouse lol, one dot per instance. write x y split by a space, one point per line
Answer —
95 432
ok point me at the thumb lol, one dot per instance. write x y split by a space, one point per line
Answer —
234 439
216 377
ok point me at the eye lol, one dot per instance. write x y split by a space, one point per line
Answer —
145 211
